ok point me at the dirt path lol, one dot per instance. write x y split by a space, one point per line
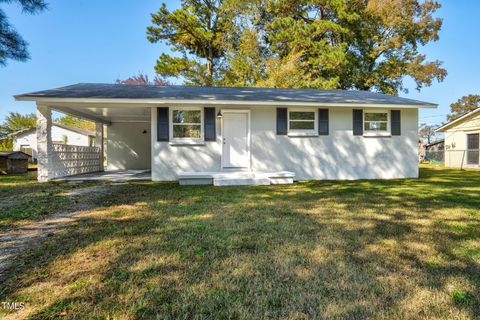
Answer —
16 239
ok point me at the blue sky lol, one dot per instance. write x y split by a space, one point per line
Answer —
100 41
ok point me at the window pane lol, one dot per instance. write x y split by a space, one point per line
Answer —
294 115
375 126
376 116
472 157
302 125
186 116
473 141
187 131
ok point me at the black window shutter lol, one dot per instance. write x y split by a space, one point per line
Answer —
395 123
209 124
323 122
357 122
162 124
282 126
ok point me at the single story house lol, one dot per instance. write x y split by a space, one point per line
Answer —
462 141
26 140
13 162
225 135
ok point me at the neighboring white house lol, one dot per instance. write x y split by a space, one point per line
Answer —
26 140
204 134
462 141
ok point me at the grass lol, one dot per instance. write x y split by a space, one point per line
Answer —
23 199
406 249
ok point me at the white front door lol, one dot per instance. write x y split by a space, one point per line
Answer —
236 139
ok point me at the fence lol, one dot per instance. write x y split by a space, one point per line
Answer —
70 160
455 158
435 156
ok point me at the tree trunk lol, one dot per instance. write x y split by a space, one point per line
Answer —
210 66
209 71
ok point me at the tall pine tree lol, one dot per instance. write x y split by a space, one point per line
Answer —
12 44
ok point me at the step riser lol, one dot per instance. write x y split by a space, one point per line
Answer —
235 178
281 180
241 182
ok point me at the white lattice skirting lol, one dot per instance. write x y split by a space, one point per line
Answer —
70 160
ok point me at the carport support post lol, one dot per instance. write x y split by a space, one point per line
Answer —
99 142
44 143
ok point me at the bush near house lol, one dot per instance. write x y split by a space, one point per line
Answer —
395 249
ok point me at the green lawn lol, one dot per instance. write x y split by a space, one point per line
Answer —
396 249
23 199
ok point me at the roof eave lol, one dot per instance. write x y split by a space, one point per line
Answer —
451 123
49 100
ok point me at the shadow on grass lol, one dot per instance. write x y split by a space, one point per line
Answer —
344 249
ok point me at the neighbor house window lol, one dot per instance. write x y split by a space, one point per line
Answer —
473 148
376 122
302 122
187 124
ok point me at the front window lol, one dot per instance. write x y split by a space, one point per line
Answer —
376 121
187 125
302 122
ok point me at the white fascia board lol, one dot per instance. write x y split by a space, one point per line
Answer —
448 125
47 101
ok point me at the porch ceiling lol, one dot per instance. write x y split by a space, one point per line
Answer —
107 114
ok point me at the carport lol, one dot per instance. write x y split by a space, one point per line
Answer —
122 135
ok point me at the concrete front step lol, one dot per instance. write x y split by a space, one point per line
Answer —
235 178
241 182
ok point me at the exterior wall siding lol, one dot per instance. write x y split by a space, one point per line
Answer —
128 147
340 155
456 142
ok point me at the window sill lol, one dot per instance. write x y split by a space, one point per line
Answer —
302 134
186 143
377 134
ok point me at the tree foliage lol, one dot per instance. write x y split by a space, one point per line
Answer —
142 79
463 105
197 31
383 42
6 144
328 44
15 121
12 45
76 122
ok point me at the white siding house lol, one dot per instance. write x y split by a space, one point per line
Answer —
462 141
251 135
26 140
336 155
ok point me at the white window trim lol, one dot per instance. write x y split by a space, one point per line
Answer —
303 132
186 141
377 133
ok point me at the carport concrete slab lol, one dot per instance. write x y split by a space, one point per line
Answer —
112 176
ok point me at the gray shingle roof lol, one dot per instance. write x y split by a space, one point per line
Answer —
119 91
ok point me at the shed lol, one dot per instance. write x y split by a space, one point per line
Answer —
13 162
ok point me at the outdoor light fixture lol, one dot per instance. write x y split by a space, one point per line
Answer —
219 114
